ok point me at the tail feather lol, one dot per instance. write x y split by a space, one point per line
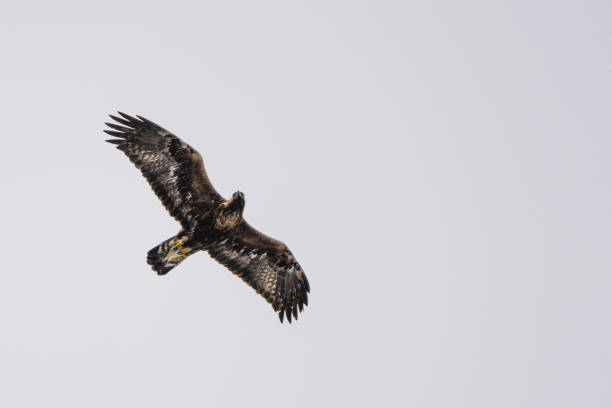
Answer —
168 254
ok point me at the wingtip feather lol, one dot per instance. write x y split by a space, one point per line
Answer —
294 311
119 128
145 120
122 121
128 117
114 133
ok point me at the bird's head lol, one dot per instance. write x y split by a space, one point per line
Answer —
230 212
237 201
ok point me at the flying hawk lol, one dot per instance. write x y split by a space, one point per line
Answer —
209 222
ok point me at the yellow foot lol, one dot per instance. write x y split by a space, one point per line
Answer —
179 242
176 251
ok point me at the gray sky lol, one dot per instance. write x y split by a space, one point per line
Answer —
441 170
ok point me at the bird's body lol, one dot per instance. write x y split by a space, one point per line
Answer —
209 223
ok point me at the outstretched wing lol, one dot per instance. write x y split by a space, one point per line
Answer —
174 169
267 265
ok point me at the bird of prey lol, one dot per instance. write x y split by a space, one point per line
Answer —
175 172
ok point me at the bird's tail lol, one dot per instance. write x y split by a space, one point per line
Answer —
168 254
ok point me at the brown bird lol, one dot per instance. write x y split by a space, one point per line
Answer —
209 222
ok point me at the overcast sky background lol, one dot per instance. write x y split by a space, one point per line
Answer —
441 170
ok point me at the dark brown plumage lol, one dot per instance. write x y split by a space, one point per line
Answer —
209 223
